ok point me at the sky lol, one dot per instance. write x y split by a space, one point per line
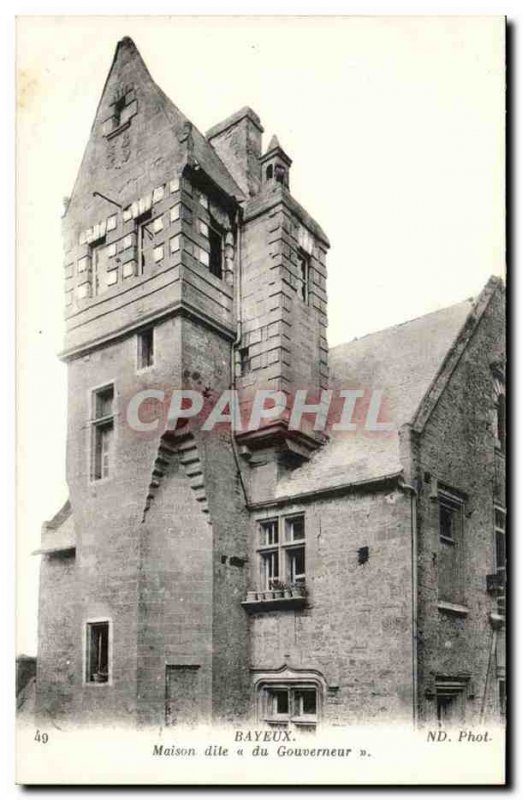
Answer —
396 130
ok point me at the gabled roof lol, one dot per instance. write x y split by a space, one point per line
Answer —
203 152
408 362
184 136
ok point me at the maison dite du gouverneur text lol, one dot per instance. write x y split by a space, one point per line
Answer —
277 576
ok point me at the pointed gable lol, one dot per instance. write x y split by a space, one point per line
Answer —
138 139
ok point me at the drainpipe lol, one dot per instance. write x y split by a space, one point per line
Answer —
237 340
414 591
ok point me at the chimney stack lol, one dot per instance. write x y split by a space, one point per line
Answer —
237 141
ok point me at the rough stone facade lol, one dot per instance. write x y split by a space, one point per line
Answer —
163 553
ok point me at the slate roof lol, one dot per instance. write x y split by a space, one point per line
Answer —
402 361
204 153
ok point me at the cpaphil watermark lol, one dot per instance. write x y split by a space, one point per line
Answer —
155 410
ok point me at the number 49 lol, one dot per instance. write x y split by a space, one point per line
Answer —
41 737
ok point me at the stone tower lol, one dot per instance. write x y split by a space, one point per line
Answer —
188 264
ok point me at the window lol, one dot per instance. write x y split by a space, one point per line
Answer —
450 518
290 706
451 550
145 236
500 554
146 349
244 360
282 561
216 252
450 700
269 172
102 432
303 274
97 652
499 410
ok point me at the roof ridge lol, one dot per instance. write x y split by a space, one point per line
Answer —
470 300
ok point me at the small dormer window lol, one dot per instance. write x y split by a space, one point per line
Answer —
280 174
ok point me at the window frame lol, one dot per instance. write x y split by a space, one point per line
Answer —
88 624
303 279
293 683
449 501
284 548
141 223
213 231
98 423
500 569
499 388
140 366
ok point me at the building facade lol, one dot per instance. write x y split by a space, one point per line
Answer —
281 575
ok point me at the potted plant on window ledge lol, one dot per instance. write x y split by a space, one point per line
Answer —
277 588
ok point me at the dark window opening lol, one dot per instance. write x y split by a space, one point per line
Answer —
363 554
451 555
145 236
244 360
102 433
280 701
119 106
280 174
103 402
146 349
296 565
303 276
269 172
216 253
294 707
450 702
97 652
447 516
305 702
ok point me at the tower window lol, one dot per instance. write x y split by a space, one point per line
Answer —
244 360
216 252
280 174
269 172
146 349
97 654
102 433
303 275
145 237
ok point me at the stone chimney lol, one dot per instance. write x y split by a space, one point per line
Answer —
237 141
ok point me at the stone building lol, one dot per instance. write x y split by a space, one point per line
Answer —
287 576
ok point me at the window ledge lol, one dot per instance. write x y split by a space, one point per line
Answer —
453 608
264 603
119 129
